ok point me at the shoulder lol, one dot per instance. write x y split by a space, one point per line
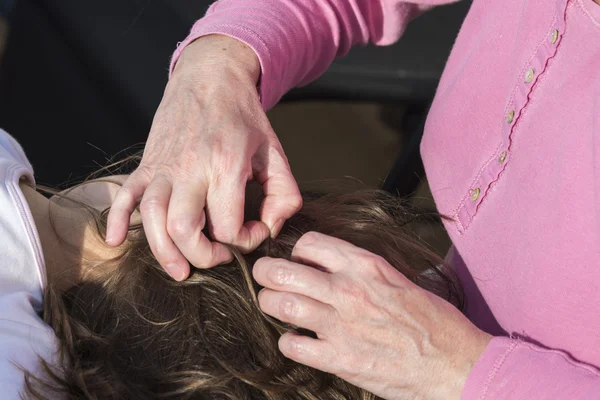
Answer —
22 262
24 338
12 155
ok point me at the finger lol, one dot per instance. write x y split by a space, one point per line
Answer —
225 209
185 221
283 275
282 196
296 309
123 205
332 254
315 353
153 208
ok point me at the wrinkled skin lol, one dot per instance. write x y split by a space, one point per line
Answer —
375 328
209 137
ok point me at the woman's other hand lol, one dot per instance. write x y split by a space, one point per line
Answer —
209 137
375 328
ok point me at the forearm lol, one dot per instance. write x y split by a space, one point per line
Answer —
296 41
516 370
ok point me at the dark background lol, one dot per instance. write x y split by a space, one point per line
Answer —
80 81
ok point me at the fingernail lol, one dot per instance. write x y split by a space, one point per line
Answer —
110 239
277 228
175 271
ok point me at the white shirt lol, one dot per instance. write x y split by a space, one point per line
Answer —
24 336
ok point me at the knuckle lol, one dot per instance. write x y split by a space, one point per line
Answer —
352 364
281 275
189 170
347 361
288 307
228 164
372 262
308 238
333 325
295 202
292 348
150 205
180 227
142 172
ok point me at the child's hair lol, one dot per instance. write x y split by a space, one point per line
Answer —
138 334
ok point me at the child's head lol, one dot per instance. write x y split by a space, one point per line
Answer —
133 332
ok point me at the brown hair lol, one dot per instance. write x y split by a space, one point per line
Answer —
140 334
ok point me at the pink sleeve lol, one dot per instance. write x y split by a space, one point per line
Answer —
296 40
512 369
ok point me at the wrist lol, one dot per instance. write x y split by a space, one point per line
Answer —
471 355
213 56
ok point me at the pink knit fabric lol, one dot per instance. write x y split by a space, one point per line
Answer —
512 154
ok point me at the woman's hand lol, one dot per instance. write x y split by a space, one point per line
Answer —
209 136
376 329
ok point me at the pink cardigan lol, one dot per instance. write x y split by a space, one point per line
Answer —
512 154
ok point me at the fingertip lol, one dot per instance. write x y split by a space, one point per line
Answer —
256 269
314 353
111 241
118 218
275 229
174 271
259 270
290 344
186 270
260 297
115 235
177 271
